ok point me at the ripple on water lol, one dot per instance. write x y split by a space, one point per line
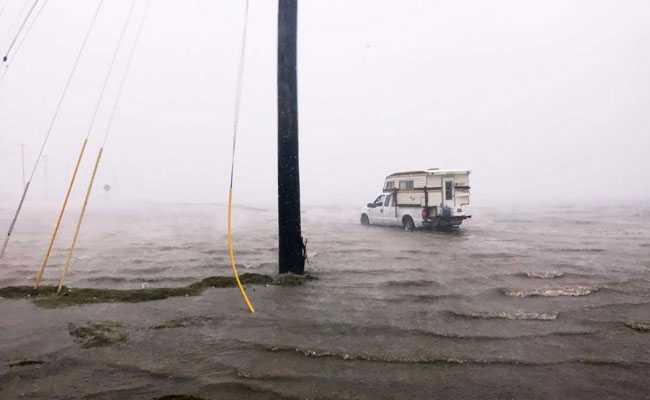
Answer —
515 315
172 248
494 255
411 283
430 298
421 252
447 361
541 274
338 329
365 251
368 271
578 250
146 270
572 291
639 326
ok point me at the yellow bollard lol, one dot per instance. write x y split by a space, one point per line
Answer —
39 275
68 260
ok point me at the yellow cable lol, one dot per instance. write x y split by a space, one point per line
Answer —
240 76
231 253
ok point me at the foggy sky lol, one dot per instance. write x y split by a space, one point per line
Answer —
544 101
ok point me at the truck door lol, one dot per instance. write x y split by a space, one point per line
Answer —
389 215
376 213
448 194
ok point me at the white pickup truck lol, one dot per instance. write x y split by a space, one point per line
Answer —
431 198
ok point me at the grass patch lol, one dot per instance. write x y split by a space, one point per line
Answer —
97 334
639 326
24 363
19 292
292 279
182 322
46 296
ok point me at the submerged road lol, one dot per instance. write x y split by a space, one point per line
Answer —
533 303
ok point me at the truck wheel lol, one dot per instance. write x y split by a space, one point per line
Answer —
408 224
364 220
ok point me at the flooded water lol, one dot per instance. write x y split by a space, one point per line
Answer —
543 303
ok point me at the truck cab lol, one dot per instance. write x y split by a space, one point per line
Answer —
430 198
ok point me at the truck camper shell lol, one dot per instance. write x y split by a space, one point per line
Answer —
435 188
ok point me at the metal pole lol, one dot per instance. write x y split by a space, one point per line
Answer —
290 247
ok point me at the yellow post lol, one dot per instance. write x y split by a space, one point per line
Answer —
39 275
68 260
231 253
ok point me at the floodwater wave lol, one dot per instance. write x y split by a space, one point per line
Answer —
346 329
570 291
541 274
411 283
515 315
444 361
578 250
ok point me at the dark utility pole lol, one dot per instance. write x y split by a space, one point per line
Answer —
290 247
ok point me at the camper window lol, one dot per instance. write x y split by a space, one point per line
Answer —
389 185
406 185
449 190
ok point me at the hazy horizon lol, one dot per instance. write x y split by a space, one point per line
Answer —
544 102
